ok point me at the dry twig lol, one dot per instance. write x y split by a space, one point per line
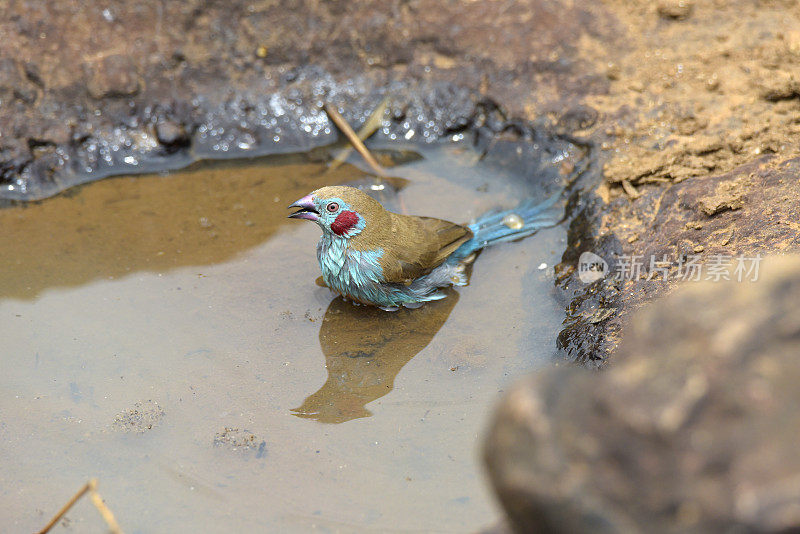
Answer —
370 127
91 488
108 516
354 140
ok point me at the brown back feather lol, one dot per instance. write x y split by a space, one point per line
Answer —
420 245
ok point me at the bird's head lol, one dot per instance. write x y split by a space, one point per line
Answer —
339 210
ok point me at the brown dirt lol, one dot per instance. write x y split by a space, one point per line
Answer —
88 91
707 91
698 147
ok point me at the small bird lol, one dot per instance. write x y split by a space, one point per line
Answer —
372 256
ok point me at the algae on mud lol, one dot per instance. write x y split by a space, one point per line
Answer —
192 292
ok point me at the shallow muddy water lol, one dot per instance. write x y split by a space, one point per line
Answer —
165 334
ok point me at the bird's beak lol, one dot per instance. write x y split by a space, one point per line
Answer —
307 209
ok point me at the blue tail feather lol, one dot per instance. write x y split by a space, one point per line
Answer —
491 228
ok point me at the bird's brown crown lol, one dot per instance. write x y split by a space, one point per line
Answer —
355 198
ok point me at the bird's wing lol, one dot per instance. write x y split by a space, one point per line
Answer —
419 245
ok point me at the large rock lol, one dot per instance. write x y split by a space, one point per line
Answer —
694 428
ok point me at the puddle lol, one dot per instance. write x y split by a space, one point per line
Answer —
165 335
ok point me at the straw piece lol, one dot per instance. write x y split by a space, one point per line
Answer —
61 513
374 122
354 140
113 526
630 190
91 488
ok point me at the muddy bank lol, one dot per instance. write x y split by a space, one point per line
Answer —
707 228
134 87
697 145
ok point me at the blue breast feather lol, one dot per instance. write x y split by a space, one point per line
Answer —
358 275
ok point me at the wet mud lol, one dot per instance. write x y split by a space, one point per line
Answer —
696 143
88 91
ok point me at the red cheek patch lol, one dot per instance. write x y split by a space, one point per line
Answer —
344 222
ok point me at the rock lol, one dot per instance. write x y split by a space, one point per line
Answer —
13 83
727 196
675 9
693 429
171 134
778 85
111 76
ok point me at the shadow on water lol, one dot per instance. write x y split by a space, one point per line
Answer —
365 348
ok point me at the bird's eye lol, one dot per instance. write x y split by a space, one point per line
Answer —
333 207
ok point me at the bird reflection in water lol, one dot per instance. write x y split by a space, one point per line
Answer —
365 348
